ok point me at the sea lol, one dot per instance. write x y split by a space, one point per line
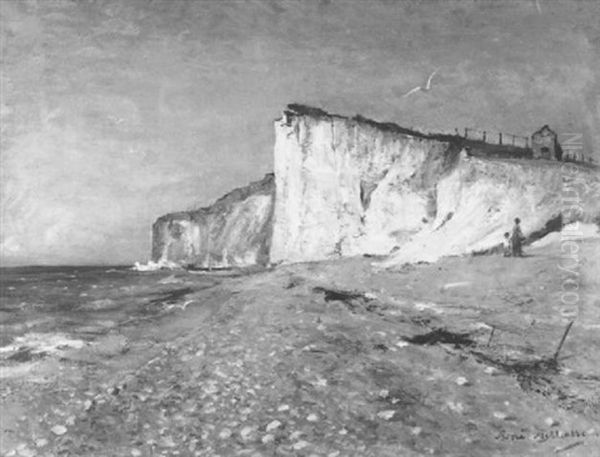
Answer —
44 309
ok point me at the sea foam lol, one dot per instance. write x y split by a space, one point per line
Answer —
155 266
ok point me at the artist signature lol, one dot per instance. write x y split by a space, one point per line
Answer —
540 437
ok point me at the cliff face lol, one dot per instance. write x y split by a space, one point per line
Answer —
234 231
478 201
351 186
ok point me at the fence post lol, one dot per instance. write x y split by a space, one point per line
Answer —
484 136
500 138
466 132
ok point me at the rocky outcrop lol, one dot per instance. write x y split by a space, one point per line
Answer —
233 232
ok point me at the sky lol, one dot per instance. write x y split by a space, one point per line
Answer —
115 112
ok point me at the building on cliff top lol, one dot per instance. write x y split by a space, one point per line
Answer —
544 144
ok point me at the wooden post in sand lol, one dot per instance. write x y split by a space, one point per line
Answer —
491 335
562 340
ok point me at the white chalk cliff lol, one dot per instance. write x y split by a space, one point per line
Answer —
478 201
351 186
233 232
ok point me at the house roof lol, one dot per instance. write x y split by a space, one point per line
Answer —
544 131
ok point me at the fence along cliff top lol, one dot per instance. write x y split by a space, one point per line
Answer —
476 142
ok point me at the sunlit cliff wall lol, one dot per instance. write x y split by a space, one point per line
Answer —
478 201
233 232
348 186
351 186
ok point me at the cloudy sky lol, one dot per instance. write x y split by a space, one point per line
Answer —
114 112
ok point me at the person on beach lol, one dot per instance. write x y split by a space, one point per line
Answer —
516 239
506 245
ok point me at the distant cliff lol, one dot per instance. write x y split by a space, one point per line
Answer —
233 232
350 186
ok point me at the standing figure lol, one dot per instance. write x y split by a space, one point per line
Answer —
517 239
506 245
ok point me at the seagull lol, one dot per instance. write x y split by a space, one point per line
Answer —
424 88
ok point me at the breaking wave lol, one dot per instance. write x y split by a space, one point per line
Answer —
155 266
42 343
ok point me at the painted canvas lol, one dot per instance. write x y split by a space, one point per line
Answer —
307 228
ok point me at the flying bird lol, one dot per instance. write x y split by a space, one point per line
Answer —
424 88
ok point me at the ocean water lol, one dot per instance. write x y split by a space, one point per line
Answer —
46 307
